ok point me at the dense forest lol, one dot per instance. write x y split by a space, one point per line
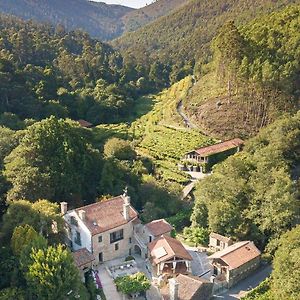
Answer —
183 37
140 17
48 71
98 19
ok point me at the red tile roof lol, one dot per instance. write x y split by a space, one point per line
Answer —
237 254
106 215
220 147
159 227
169 248
82 257
190 287
84 123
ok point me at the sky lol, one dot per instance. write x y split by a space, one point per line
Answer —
130 3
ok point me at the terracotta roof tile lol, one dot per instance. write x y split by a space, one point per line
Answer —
171 247
84 123
220 147
159 227
106 215
82 257
237 254
190 287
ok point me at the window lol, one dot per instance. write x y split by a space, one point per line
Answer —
150 238
100 257
99 238
116 247
218 242
78 238
73 221
116 236
130 241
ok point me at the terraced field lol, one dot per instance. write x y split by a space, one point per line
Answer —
160 134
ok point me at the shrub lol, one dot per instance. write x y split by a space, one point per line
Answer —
196 235
119 148
181 219
129 257
131 284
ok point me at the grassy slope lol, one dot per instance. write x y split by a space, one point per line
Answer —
186 33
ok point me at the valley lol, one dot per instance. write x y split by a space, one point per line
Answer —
108 115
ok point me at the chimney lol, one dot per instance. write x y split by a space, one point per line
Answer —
81 214
174 287
63 207
126 204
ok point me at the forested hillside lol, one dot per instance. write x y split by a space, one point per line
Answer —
137 18
184 36
252 78
98 19
46 71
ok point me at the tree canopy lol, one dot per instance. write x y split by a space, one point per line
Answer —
54 161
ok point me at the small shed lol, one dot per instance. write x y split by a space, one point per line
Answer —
219 242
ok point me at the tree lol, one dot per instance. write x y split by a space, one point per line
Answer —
12 293
131 284
196 235
40 215
119 148
286 262
52 274
22 236
54 160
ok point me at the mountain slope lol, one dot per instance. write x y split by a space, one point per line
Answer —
137 18
184 35
99 19
253 78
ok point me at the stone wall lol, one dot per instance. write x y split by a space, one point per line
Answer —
108 249
243 271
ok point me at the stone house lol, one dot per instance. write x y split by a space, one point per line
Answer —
219 242
187 287
235 262
204 158
168 255
104 228
111 229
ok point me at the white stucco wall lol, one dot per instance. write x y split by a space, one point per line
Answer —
85 234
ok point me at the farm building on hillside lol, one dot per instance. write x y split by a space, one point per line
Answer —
84 123
204 158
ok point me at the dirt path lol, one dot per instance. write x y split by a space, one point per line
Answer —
186 120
